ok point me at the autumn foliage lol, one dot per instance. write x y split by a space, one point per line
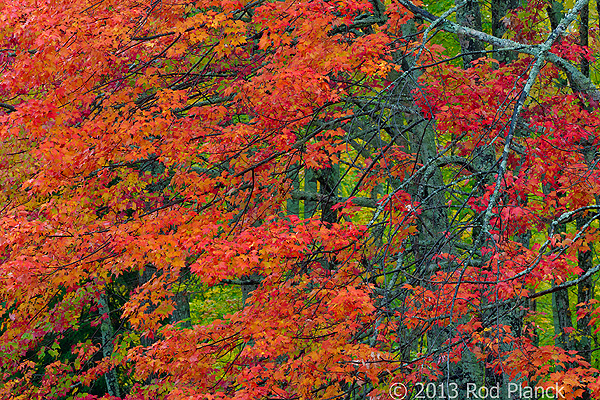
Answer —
397 211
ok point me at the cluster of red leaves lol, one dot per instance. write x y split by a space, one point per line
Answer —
155 134
161 134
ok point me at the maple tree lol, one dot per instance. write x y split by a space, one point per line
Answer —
393 190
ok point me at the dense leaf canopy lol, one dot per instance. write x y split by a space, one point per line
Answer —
403 193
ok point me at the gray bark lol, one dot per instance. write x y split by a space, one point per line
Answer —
310 185
107 332
181 315
584 27
562 319
469 15
293 204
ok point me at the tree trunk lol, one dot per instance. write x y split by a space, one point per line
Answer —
470 16
584 27
181 315
310 185
499 10
107 332
584 295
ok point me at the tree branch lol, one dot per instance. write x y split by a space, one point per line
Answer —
580 82
358 201
8 107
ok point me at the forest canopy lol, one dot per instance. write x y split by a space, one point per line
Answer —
350 199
